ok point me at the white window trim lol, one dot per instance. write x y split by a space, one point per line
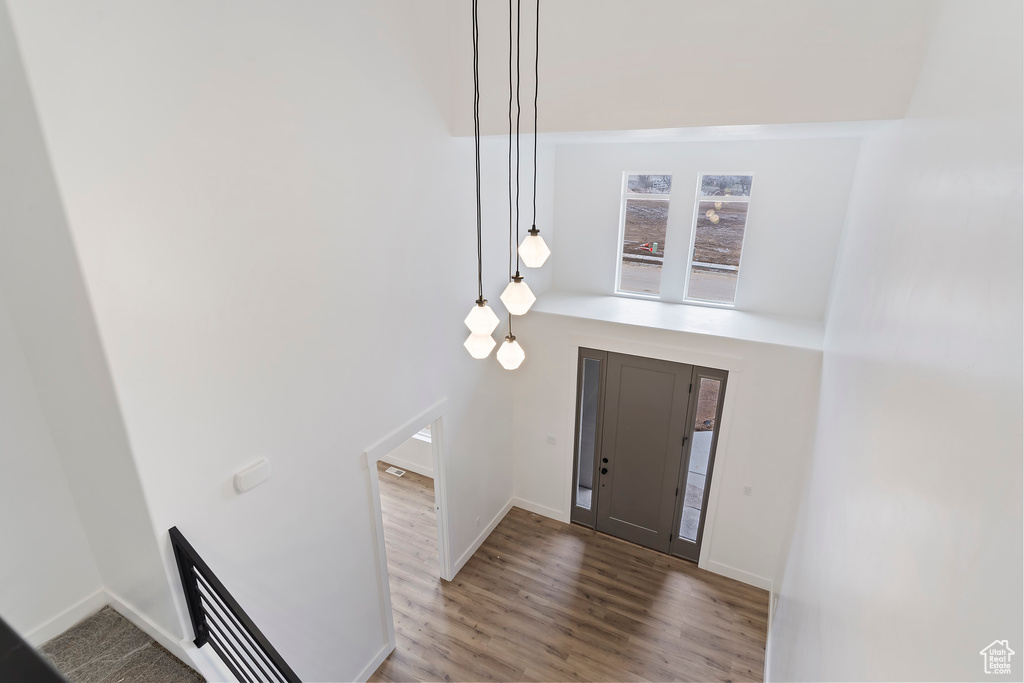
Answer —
698 198
624 195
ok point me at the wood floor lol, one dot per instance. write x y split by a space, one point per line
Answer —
545 601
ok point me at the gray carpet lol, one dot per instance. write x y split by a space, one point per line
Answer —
107 648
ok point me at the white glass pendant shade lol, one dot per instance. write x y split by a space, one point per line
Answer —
534 251
517 297
511 354
481 320
479 345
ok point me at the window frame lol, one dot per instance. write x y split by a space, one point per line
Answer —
617 289
693 238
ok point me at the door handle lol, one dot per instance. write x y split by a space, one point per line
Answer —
604 470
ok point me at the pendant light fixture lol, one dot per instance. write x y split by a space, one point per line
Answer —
479 345
534 251
517 296
481 320
511 354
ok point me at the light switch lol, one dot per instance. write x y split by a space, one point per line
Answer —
252 476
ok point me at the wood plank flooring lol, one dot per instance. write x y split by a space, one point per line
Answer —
545 601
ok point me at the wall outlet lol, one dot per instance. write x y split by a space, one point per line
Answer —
747 490
552 441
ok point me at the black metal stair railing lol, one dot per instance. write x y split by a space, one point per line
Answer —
218 620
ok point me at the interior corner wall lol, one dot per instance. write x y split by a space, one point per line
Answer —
906 558
51 315
415 455
276 230
46 567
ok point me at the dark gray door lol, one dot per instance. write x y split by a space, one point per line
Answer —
645 414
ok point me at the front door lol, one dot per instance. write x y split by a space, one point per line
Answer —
645 416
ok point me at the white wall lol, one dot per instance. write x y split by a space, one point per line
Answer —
415 455
906 559
51 315
796 212
46 566
617 65
768 428
230 172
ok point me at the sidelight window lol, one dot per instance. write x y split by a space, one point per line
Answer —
587 442
702 443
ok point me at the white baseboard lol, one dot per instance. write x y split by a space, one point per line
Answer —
94 603
52 628
772 597
134 615
542 510
411 466
461 562
377 660
739 575
209 664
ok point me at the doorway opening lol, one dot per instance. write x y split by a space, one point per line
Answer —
644 452
405 479
410 539
410 517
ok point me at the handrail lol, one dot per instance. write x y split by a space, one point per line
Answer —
218 620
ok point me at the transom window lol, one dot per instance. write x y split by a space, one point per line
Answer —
643 227
719 224
708 270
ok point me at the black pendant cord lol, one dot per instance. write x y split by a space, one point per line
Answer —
519 110
510 210
476 136
536 90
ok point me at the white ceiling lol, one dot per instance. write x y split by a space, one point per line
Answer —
630 65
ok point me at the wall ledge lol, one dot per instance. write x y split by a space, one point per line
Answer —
716 322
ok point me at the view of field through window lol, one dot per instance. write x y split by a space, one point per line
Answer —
643 235
721 222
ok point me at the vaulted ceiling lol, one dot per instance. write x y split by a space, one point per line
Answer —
626 65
